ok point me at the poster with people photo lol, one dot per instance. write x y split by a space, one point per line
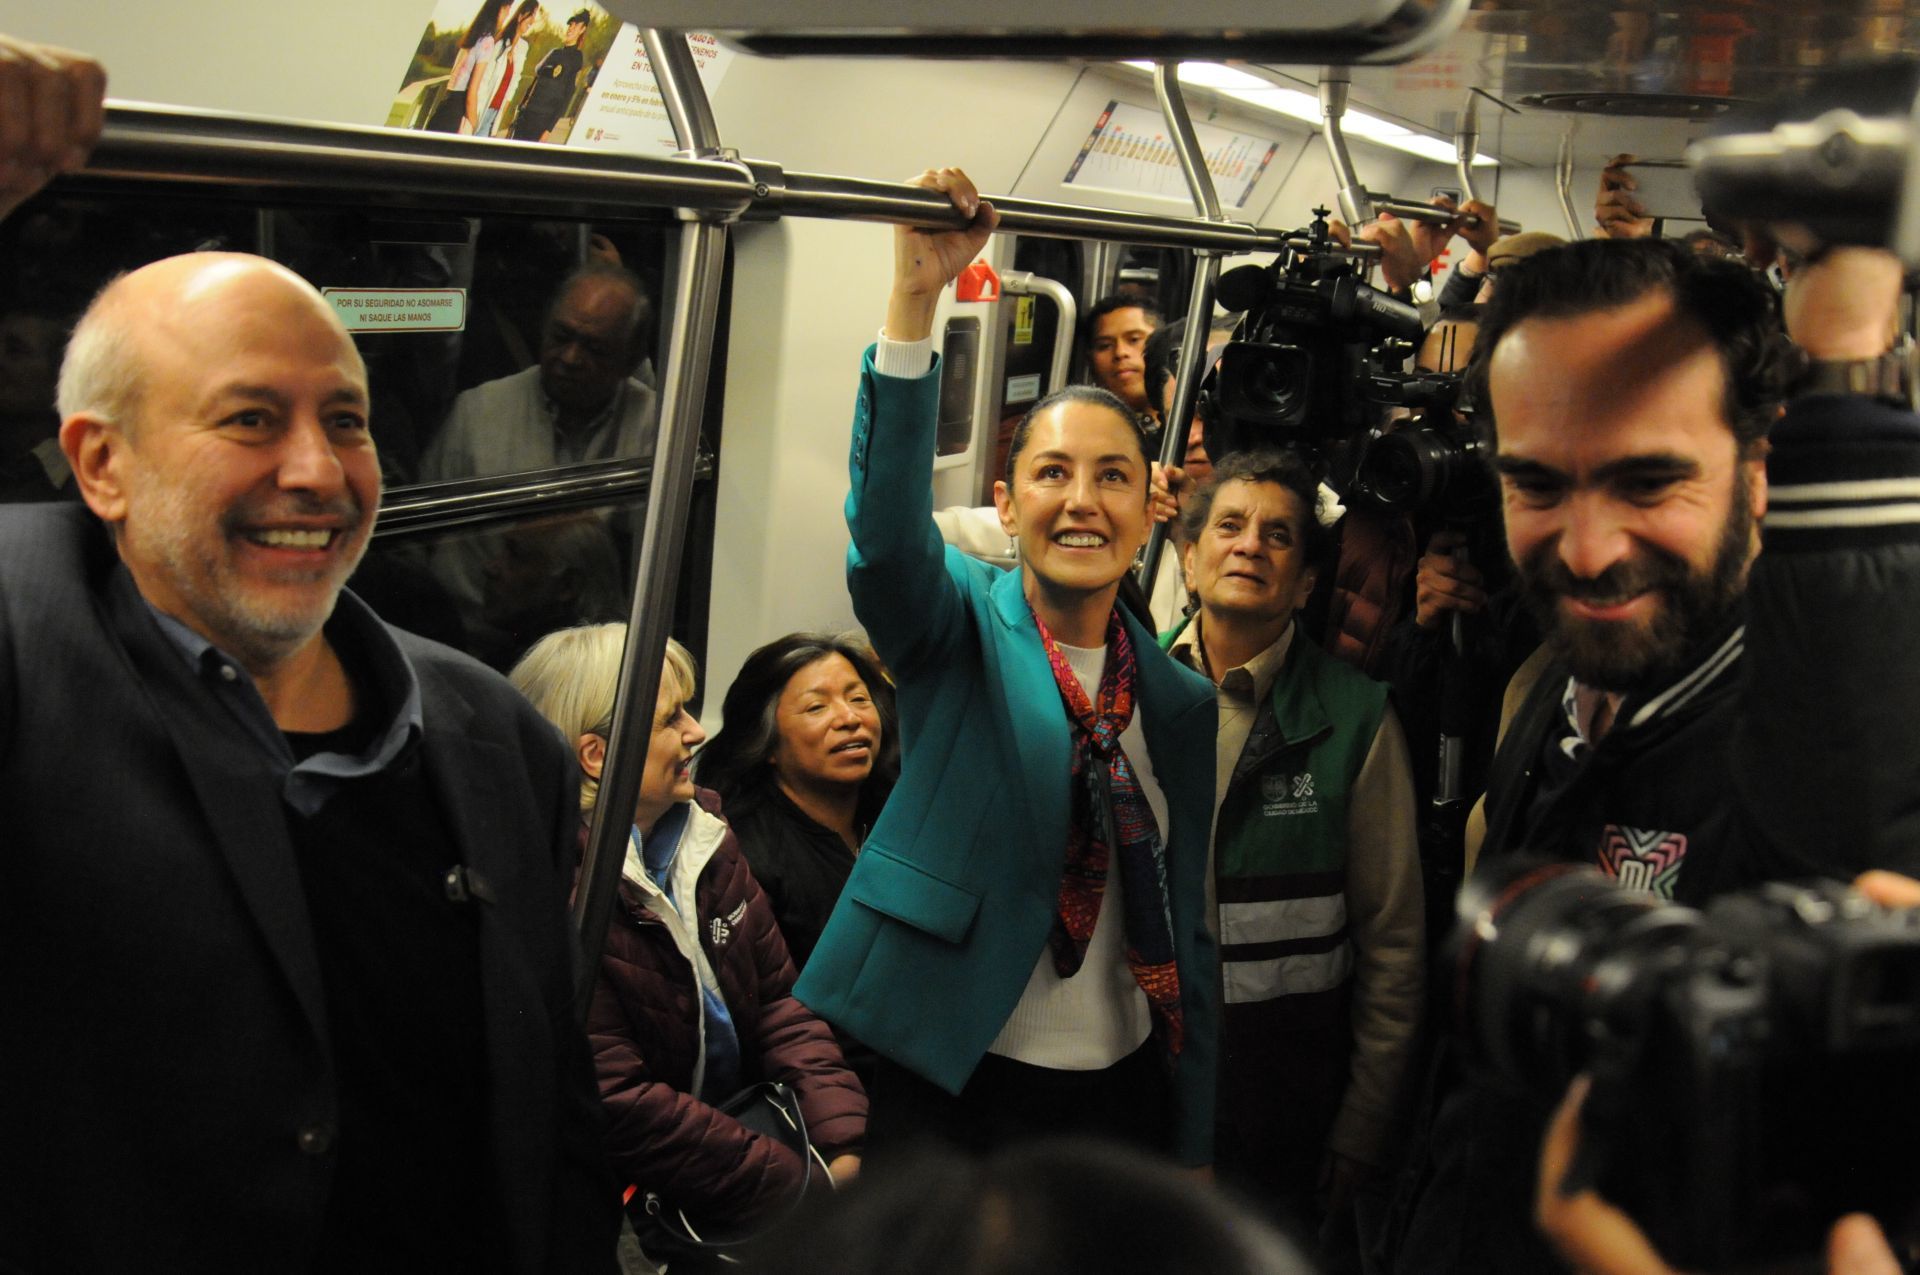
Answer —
518 69
531 71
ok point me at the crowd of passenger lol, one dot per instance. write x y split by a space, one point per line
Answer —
1044 924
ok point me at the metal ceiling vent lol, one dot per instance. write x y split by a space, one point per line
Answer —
1669 106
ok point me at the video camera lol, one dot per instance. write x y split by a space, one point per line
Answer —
1318 363
1753 1066
1437 461
1319 352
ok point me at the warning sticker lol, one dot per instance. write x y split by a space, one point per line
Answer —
400 309
1023 321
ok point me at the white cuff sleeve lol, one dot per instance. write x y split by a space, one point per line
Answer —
902 358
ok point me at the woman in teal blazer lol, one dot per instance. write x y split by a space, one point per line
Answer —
974 948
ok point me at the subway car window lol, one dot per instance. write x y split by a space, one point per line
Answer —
493 589
55 253
497 346
1163 276
494 344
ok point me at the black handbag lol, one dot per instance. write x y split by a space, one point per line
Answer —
666 1230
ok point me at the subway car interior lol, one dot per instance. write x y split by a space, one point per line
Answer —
744 164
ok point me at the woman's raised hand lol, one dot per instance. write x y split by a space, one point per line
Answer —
925 261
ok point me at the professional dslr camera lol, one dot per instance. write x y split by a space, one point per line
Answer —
1317 355
1437 461
1755 1067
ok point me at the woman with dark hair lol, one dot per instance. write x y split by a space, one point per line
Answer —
1023 939
805 757
490 93
475 47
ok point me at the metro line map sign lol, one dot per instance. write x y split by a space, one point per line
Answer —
1129 152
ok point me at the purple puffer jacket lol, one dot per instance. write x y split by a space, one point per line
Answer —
644 1025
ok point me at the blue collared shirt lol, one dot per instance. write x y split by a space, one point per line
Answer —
388 689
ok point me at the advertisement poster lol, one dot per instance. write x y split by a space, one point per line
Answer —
624 111
1128 152
563 72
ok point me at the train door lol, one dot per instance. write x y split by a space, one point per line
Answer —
1039 339
969 337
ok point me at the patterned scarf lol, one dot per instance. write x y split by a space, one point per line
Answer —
1109 812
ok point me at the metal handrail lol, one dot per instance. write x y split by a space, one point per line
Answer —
425 509
1466 147
681 92
1024 283
161 143
1357 204
1186 143
1563 185
683 398
1466 144
861 199
1206 272
1335 84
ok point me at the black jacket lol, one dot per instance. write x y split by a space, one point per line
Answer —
800 864
1648 803
1786 752
168 1098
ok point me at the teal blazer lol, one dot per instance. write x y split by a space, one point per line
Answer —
953 894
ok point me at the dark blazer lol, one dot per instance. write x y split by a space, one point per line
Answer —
953 894
166 1097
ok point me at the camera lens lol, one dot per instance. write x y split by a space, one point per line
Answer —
1547 955
1423 468
1406 469
1265 386
1272 389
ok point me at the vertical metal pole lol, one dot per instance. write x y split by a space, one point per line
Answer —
1563 185
683 400
1186 392
1206 270
1356 207
678 76
1024 283
1466 144
1186 144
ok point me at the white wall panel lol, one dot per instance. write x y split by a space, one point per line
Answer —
340 62
808 296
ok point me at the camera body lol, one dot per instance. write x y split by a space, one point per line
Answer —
1435 462
1753 1066
1318 354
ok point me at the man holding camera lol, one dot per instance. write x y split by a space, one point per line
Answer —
1709 717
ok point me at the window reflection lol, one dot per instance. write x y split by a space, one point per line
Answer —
553 364
493 592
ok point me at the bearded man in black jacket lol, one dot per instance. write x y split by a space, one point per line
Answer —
1703 716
